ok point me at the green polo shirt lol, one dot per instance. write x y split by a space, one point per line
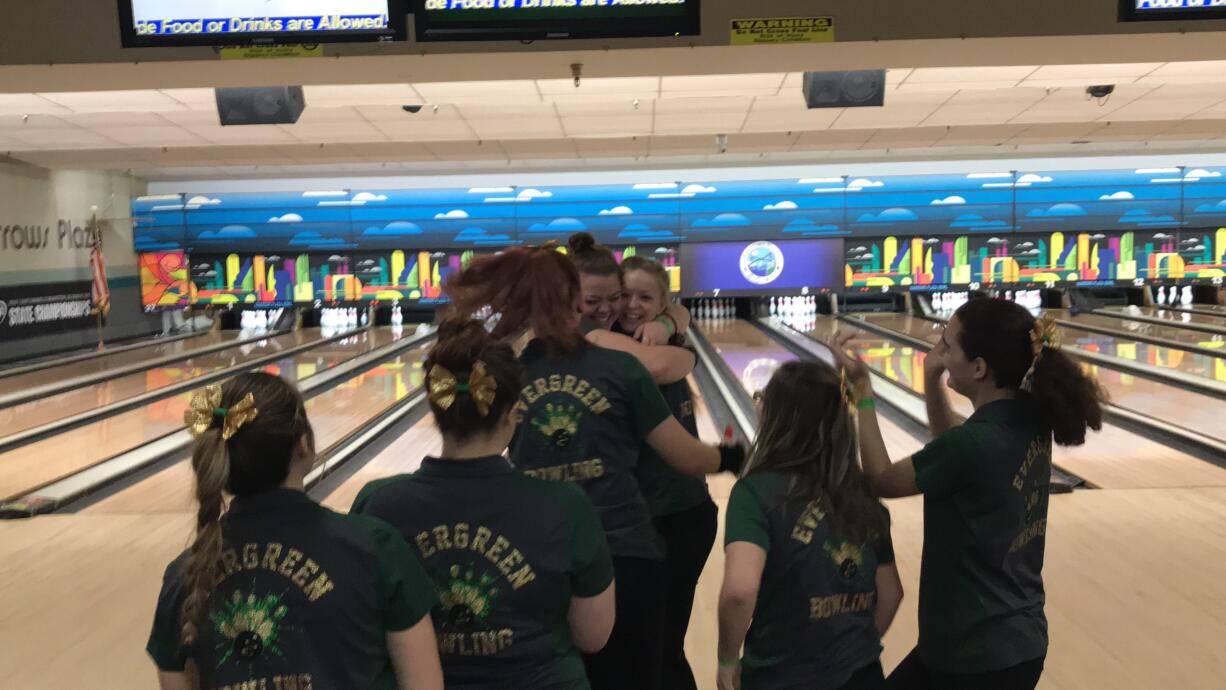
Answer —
668 491
586 414
507 553
306 599
813 623
985 486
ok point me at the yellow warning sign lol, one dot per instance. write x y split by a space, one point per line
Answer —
264 52
750 32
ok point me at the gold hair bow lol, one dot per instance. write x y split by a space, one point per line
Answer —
1044 334
205 408
444 387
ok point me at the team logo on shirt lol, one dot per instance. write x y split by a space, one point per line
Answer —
465 599
559 423
847 558
249 626
762 263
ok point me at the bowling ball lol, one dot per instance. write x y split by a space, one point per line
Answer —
761 262
248 645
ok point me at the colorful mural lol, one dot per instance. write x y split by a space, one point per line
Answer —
163 280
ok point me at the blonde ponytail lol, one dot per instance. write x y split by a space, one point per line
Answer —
211 462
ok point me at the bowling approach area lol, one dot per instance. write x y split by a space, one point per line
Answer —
185 198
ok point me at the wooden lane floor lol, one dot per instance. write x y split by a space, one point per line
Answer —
1112 458
334 414
31 466
103 363
80 590
36 413
1123 327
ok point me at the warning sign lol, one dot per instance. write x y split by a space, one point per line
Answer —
279 51
750 32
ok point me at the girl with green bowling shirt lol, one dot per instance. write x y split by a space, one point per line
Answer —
602 301
278 591
587 412
681 506
985 485
521 565
810 584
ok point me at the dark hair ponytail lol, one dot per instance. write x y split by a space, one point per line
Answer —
461 344
535 288
256 458
591 258
807 431
999 332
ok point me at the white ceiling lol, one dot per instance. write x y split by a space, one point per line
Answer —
952 110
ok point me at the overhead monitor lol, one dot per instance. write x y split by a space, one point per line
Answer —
175 23
530 20
1158 10
740 269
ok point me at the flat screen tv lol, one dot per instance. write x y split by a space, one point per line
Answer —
1171 10
177 23
531 20
742 269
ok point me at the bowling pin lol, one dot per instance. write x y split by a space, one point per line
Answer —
1161 294
774 307
1186 299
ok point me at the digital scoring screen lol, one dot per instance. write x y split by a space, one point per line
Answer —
478 20
1156 10
234 22
761 268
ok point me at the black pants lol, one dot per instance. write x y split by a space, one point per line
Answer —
870 677
914 674
689 536
631 659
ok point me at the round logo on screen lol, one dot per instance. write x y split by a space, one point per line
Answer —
762 263
4 311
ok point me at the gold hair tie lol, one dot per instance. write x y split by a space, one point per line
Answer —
444 387
551 245
1044 334
849 395
205 408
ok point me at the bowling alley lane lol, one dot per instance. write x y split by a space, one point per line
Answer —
335 414
1124 327
753 357
1112 458
1195 412
52 408
37 464
103 363
1148 354
1179 317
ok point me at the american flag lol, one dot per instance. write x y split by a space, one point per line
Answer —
101 291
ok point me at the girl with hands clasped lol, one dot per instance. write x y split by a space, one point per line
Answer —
985 486
809 578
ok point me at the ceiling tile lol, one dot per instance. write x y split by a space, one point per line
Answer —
28 104
910 137
1074 105
61 139
334 132
968 75
152 136
980 135
479 92
193 99
900 110
603 89
247 134
833 139
426 129
540 148
114 101
722 85
615 147
361 94
15 123
467 150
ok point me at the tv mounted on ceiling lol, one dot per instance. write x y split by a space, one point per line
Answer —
179 23
531 20
1171 10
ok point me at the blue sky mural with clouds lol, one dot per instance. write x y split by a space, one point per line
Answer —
1146 199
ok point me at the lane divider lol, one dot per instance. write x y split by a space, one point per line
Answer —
53 361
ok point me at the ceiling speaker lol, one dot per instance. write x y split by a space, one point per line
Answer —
261 105
857 89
